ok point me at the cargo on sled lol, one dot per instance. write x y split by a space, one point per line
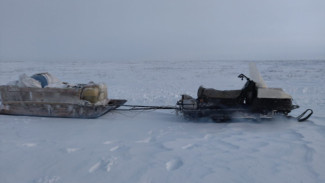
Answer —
253 101
44 95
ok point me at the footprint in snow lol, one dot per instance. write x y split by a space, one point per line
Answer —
145 141
105 165
114 148
107 142
207 137
29 145
109 164
174 164
94 167
71 150
188 146
49 179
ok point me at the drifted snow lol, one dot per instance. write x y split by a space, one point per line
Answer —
160 146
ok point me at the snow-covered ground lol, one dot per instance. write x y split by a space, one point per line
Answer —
160 146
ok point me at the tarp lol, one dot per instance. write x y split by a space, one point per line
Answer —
40 80
26 81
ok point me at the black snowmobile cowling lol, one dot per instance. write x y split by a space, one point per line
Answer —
253 101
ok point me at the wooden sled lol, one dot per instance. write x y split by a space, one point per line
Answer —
56 102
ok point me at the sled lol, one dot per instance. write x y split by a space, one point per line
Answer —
76 101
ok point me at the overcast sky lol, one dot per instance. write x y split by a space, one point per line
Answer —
50 30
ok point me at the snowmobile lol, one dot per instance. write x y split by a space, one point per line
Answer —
44 95
254 101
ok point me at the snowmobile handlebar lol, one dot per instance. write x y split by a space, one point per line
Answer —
242 76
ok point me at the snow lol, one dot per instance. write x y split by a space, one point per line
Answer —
161 146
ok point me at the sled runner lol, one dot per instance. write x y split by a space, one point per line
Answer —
44 95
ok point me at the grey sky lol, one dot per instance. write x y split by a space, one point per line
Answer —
49 30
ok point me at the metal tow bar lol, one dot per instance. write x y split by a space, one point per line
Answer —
145 107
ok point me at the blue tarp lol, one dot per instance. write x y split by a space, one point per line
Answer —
42 79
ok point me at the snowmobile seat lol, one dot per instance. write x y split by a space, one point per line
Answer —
217 94
219 98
